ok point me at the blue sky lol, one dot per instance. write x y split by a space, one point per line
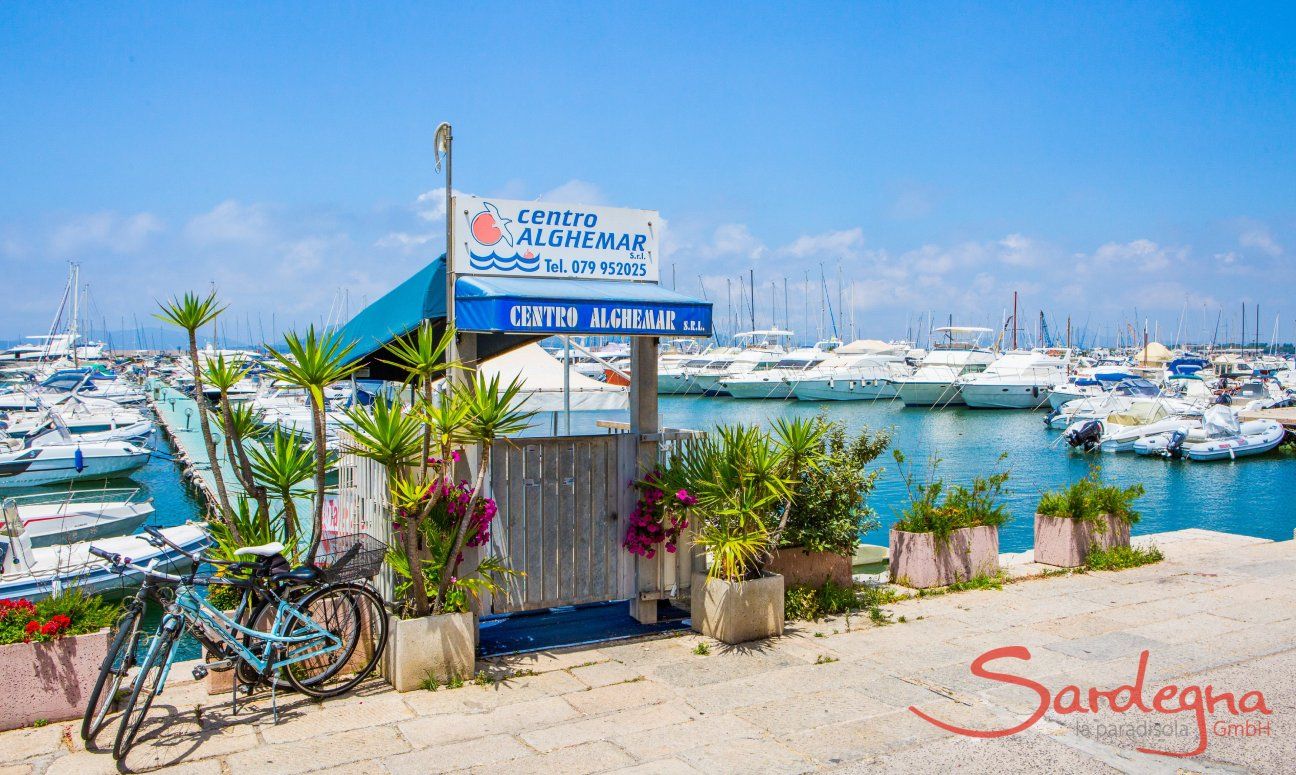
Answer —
1096 157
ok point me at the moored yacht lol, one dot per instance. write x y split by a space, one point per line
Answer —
861 370
933 383
756 350
778 380
1018 379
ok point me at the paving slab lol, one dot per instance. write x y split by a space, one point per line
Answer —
833 695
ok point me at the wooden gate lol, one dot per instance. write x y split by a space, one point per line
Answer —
563 508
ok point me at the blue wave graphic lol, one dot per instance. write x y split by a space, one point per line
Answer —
503 263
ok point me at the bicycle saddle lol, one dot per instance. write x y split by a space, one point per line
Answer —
264 550
304 573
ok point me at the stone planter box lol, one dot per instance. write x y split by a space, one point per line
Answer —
49 681
919 561
736 612
430 647
1066 542
798 566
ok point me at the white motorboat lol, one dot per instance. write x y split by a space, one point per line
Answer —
1018 379
1120 431
1221 436
34 573
861 370
1120 399
778 380
72 462
79 415
676 377
51 435
935 381
80 515
758 350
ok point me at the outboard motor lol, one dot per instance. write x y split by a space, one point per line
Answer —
1087 436
1174 446
1048 419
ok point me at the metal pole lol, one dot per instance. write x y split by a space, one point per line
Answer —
567 356
452 352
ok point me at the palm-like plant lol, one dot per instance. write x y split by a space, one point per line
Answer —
389 435
314 362
280 466
223 374
492 413
191 312
422 356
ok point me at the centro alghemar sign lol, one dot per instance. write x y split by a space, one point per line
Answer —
505 237
483 305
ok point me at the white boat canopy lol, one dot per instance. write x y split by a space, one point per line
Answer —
542 377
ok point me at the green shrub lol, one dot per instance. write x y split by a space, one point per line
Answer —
829 507
1122 557
803 602
1089 499
939 509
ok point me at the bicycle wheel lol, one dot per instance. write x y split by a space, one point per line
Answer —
353 613
147 685
116 664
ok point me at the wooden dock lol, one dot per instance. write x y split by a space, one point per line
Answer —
1285 415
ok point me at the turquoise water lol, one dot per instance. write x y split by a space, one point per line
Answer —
1253 496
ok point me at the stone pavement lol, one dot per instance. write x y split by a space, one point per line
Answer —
833 695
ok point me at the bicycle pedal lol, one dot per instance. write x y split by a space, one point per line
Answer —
199 672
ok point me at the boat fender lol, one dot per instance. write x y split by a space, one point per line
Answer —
78 459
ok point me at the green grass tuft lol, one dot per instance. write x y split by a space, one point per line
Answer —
1122 558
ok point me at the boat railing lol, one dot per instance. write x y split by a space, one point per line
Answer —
68 497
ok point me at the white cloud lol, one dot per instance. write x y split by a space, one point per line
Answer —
105 231
575 192
1258 237
1020 250
846 243
733 240
1142 255
230 222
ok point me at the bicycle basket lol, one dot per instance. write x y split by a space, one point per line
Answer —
353 557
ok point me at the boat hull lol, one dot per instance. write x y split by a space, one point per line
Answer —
844 389
74 523
928 394
1000 396
676 385
41 469
773 388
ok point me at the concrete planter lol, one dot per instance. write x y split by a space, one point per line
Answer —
1067 542
429 647
49 681
920 561
736 612
799 566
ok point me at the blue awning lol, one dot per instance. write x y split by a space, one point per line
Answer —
524 308
542 305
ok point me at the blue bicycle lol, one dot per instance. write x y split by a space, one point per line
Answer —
323 644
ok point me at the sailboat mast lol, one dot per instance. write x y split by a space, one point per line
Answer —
1014 321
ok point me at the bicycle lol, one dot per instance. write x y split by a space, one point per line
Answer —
307 653
123 650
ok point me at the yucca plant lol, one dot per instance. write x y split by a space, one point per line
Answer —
422 356
492 413
280 466
223 374
191 312
313 362
390 436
